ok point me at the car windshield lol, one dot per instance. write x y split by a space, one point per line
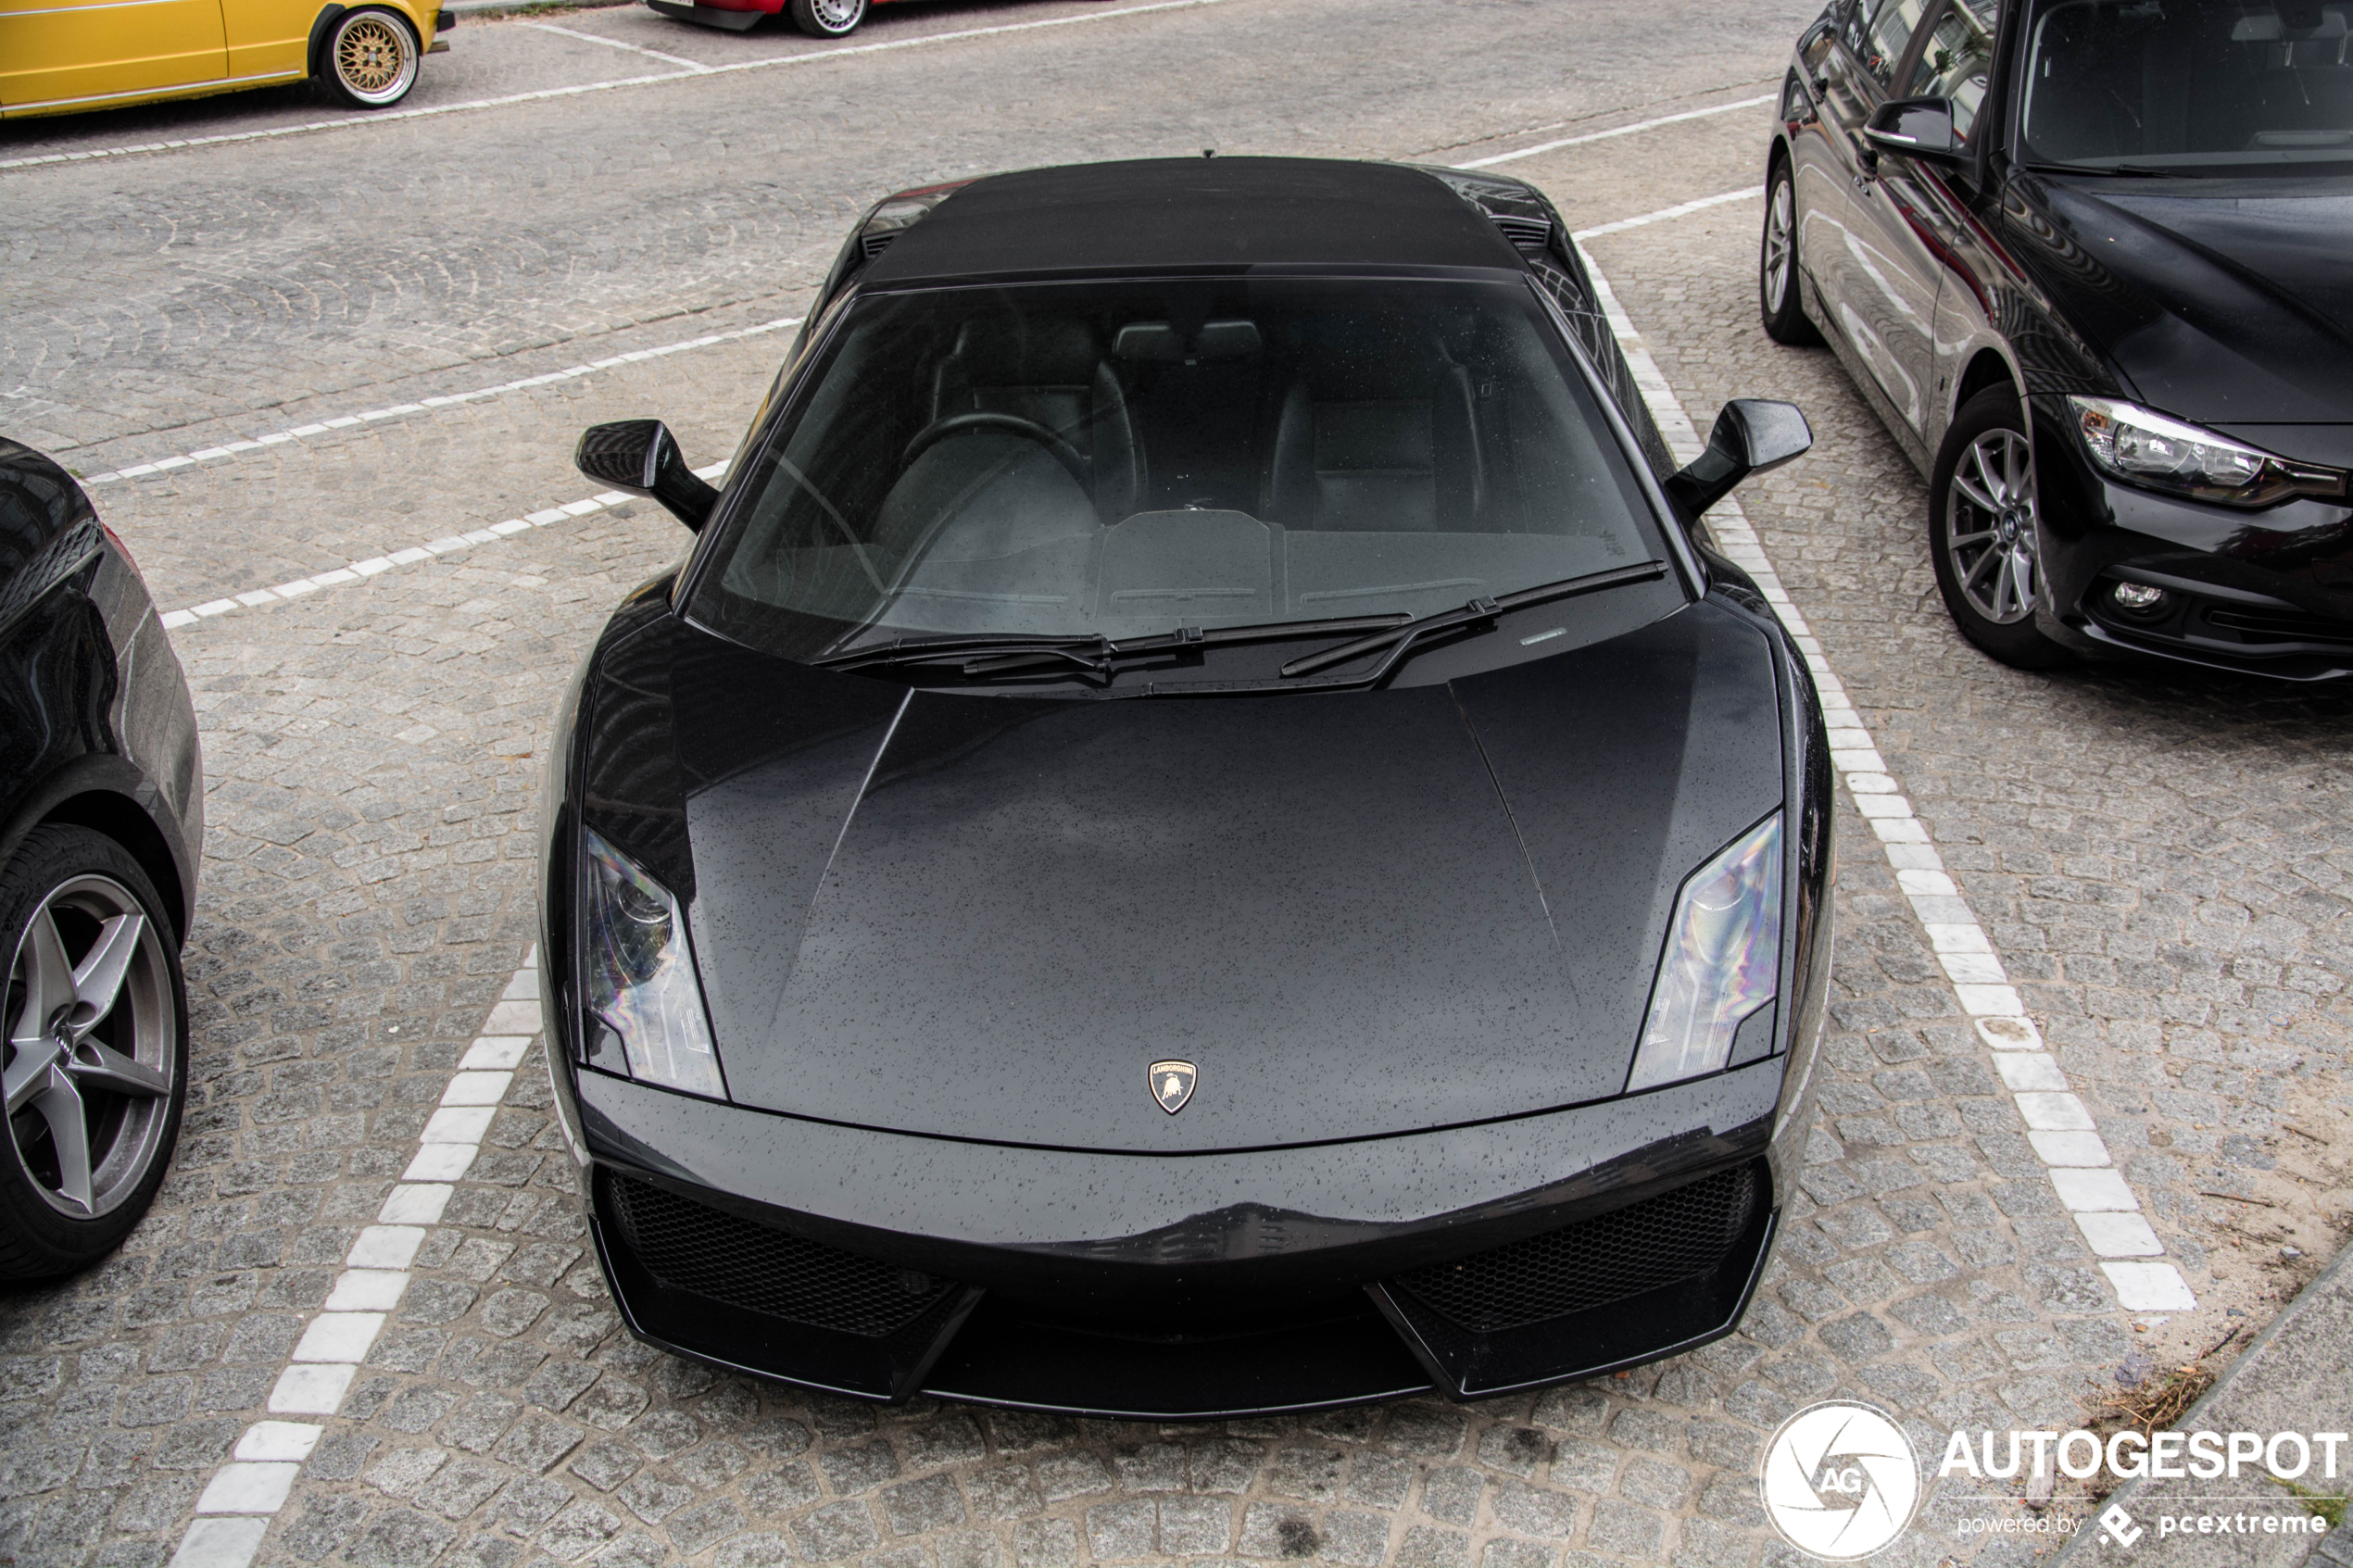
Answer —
1132 459
2187 86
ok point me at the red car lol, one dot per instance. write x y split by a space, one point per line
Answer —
819 18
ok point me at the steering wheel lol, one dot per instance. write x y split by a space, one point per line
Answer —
1011 424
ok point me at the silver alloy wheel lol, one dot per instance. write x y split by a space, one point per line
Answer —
838 15
92 1029
1989 527
373 56
1781 228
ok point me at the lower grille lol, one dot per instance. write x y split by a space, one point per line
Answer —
692 1247
2279 626
1661 1240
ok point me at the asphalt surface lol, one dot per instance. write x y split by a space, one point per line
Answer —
2160 860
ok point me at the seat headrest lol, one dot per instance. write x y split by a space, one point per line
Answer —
1018 351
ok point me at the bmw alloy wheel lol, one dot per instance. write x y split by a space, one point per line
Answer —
1989 539
372 59
93 1031
1780 247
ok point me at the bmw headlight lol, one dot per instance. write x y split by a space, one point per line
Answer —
1723 960
2147 448
644 1010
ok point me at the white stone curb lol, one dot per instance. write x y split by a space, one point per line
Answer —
236 1508
358 569
2059 1128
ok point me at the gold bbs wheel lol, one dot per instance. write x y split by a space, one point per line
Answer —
372 59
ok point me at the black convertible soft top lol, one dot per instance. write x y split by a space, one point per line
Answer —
1185 213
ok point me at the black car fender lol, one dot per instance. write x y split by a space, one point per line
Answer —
109 794
315 55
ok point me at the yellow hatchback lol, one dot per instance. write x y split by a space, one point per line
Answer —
61 56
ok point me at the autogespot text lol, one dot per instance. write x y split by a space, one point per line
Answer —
2201 1455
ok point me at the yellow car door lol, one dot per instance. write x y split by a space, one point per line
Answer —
268 37
82 54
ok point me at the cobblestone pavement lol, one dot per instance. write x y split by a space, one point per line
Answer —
2159 860
377 259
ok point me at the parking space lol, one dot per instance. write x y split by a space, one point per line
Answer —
2160 860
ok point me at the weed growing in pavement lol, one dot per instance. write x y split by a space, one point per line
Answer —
2321 1505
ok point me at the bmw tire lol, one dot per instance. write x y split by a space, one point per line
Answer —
1983 532
370 60
95 1058
827 19
1780 298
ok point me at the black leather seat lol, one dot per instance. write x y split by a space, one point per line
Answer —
1375 431
1052 373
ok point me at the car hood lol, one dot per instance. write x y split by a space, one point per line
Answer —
2225 302
984 917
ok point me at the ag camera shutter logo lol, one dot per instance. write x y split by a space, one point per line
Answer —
1840 1480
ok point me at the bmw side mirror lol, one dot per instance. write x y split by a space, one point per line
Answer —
642 458
1752 436
1920 128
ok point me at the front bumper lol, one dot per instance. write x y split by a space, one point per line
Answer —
741 17
1474 1260
2267 591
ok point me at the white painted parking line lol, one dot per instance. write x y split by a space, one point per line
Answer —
1640 125
617 43
238 1500
401 411
387 117
360 570
1680 209
2094 1194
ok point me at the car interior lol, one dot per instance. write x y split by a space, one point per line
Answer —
2190 83
1128 470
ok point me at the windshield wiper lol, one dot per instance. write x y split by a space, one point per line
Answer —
2135 170
1480 613
1092 654
986 654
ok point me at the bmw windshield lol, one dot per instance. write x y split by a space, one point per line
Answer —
2140 87
1142 458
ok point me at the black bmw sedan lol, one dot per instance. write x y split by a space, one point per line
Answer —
1198 832
2089 261
101 823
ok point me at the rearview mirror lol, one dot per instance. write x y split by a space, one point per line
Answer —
1918 128
642 458
1752 436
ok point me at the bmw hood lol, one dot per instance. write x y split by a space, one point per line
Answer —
2225 302
984 917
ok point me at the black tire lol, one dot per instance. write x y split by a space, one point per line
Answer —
827 19
369 58
83 887
1779 297
1983 494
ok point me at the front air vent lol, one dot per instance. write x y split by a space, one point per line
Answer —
1528 236
875 243
2258 625
1660 1241
692 1247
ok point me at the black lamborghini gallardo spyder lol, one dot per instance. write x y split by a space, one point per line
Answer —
1199 829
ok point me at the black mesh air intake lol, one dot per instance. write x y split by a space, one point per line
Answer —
1659 1241
692 1247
